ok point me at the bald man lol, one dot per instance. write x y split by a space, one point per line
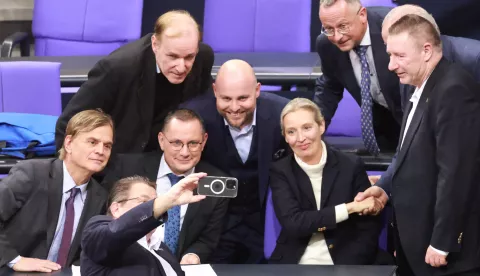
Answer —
139 83
243 127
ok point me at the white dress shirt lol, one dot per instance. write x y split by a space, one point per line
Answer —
155 245
163 185
375 90
243 137
317 250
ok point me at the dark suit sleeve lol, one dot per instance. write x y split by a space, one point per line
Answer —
328 89
15 190
295 221
364 244
104 238
97 92
385 182
208 240
457 132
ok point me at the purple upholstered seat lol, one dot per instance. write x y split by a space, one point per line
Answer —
346 121
30 87
385 3
258 25
82 27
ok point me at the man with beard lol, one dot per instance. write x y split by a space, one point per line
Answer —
243 126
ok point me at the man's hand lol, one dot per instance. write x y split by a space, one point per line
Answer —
182 192
378 193
370 203
190 259
35 265
434 258
373 179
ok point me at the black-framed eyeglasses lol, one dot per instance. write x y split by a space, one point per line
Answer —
192 146
342 29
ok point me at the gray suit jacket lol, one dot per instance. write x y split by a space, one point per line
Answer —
30 198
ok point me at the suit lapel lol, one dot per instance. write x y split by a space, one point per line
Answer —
264 146
93 205
418 115
167 255
303 182
146 89
330 173
190 215
55 192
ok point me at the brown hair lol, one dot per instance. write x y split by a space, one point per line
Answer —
301 103
169 19
85 121
417 27
121 188
184 115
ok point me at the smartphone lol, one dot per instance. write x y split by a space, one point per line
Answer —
218 186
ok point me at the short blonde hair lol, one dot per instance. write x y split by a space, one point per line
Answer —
85 121
301 103
169 19
419 28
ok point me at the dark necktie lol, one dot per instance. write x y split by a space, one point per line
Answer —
366 117
172 226
67 228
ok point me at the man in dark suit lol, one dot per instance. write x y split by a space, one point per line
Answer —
123 242
433 188
141 82
455 18
45 203
243 129
353 57
182 140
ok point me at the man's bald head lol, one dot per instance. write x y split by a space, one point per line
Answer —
236 89
398 12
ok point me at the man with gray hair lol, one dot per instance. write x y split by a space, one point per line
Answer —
434 190
353 57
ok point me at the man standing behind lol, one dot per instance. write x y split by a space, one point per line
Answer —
193 230
353 56
45 203
434 187
244 135
141 82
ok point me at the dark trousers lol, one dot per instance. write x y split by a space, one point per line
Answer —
386 128
404 268
241 241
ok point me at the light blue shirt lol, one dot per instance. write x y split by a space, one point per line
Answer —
78 204
243 137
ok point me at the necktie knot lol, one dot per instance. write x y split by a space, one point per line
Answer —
73 193
174 178
361 50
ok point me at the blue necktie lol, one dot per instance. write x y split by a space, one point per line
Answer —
172 226
366 117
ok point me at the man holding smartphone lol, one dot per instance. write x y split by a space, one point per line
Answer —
244 136
193 230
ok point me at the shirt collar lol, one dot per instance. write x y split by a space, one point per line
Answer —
68 182
158 68
248 127
418 92
164 169
366 38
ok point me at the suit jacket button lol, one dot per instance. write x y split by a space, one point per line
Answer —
330 246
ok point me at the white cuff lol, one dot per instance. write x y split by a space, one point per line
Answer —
439 251
341 213
14 261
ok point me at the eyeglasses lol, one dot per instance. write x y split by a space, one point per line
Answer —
342 29
192 146
139 199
